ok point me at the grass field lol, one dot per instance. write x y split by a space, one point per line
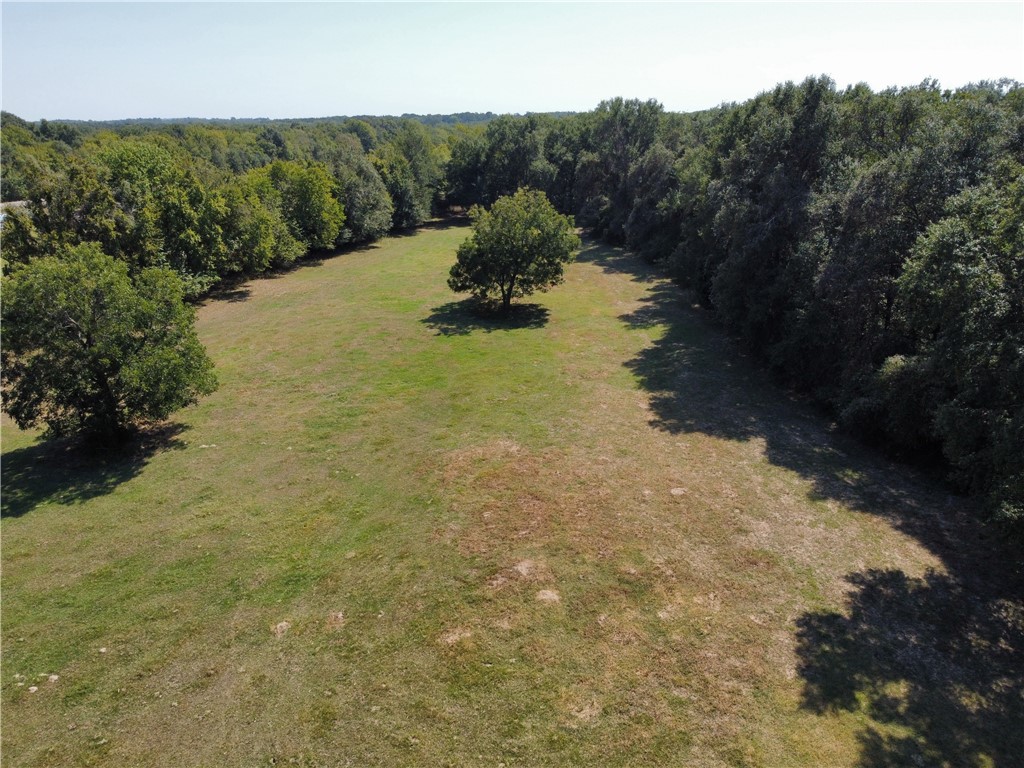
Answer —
402 534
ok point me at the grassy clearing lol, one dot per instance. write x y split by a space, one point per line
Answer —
401 534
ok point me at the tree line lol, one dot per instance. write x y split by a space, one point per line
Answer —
866 246
210 201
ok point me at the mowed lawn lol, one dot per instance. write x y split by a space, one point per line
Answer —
401 534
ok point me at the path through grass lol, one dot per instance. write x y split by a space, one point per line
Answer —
400 534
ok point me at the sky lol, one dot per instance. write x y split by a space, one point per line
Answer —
100 61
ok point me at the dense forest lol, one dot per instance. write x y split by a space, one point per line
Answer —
867 246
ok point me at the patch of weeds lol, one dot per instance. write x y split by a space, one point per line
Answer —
321 717
742 756
565 744
77 691
293 580
670 745
469 668
807 585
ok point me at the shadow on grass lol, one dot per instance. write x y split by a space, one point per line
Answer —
316 259
61 472
615 260
233 294
460 318
937 664
454 221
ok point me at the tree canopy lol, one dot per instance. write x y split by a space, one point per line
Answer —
89 353
519 246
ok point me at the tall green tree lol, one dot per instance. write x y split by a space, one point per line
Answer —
175 219
465 171
618 133
305 194
409 205
519 246
255 232
963 292
359 188
89 353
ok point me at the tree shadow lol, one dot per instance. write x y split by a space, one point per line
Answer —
451 221
232 295
59 471
937 664
614 260
232 288
460 318
454 221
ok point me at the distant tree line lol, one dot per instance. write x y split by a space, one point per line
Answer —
867 246
209 201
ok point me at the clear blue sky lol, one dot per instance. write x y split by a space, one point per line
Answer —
116 60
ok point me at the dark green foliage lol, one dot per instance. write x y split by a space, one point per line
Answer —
139 201
652 226
776 157
411 169
70 205
519 246
866 246
174 221
465 170
255 232
620 132
273 144
563 143
513 157
963 292
360 190
88 353
496 160
25 158
63 132
409 205
364 132
213 198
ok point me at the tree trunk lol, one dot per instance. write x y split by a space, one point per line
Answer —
107 428
506 296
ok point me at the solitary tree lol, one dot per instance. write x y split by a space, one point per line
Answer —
519 246
89 353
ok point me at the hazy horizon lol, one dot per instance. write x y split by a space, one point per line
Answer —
126 61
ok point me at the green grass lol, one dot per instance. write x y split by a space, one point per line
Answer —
378 451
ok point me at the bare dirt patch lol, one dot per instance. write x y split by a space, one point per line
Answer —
517 500
453 636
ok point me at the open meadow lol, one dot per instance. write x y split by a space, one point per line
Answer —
593 533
